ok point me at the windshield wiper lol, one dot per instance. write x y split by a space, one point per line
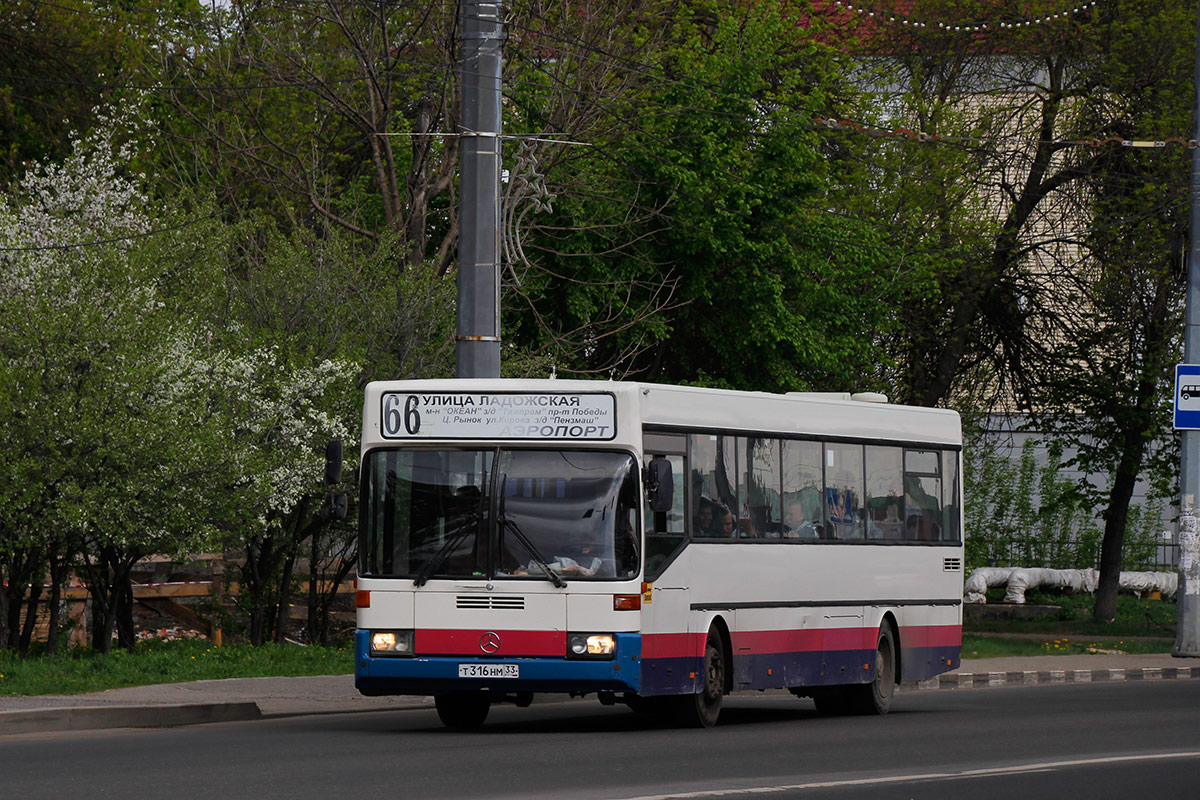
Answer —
442 554
538 558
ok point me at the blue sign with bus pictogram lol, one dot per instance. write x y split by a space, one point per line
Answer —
1187 397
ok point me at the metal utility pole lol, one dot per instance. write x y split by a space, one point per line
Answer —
1187 623
477 351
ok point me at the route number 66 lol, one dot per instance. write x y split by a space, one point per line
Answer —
396 421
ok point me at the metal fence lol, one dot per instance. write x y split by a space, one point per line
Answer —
1069 554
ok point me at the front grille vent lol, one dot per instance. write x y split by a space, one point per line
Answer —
952 565
510 602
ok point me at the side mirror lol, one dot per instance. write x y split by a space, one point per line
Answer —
335 503
333 507
660 484
333 462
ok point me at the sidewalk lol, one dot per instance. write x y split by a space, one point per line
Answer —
256 698
166 704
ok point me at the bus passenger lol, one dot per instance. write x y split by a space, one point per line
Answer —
702 523
726 525
796 524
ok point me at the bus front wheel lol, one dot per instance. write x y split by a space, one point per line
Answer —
462 711
700 710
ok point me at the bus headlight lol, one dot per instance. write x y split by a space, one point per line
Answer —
591 645
392 643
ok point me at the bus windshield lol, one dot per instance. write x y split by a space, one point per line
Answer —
555 515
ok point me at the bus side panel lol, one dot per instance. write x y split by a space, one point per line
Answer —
783 636
672 656
821 649
671 662
932 648
776 659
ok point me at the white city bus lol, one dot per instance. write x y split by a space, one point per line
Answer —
660 546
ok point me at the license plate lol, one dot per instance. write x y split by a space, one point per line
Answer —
489 671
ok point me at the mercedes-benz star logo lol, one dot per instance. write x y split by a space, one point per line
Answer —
489 642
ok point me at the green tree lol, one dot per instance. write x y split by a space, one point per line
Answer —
88 320
713 189
1109 379
339 114
62 61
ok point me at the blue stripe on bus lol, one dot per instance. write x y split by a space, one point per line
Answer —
785 670
921 663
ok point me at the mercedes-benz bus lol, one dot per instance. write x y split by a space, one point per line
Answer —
657 546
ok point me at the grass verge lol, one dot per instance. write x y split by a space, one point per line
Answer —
155 661
984 646
1141 625
1135 617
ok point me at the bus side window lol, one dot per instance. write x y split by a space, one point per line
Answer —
665 532
950 531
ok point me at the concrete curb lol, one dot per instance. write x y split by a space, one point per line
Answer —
971 680
97 717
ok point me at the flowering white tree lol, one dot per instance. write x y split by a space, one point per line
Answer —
135 425
82 326
275 419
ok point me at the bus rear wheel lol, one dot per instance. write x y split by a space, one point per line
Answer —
462 711
700 710
875 698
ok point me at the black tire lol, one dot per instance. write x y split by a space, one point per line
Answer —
701 710
875 698
462 711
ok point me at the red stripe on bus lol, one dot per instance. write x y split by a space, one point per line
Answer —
672 645
800 641
814 639
931 636
485 642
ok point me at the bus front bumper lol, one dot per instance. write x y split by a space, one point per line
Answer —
423 675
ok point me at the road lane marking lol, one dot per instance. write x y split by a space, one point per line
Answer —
1015 769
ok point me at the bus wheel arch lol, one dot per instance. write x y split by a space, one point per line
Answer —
875 698
890 619
702 708
721 629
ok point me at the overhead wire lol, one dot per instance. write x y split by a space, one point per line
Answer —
111 240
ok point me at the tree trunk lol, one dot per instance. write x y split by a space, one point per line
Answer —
55 616
284 608
15 594
261 557
23 569
58 576
123 616
111 590
1117 514
3 609
103 621
35 596
315 636
258 623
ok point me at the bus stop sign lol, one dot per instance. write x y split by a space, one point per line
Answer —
1187 397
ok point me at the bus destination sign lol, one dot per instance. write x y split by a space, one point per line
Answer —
571 416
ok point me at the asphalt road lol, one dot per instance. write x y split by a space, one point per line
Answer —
1117 740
